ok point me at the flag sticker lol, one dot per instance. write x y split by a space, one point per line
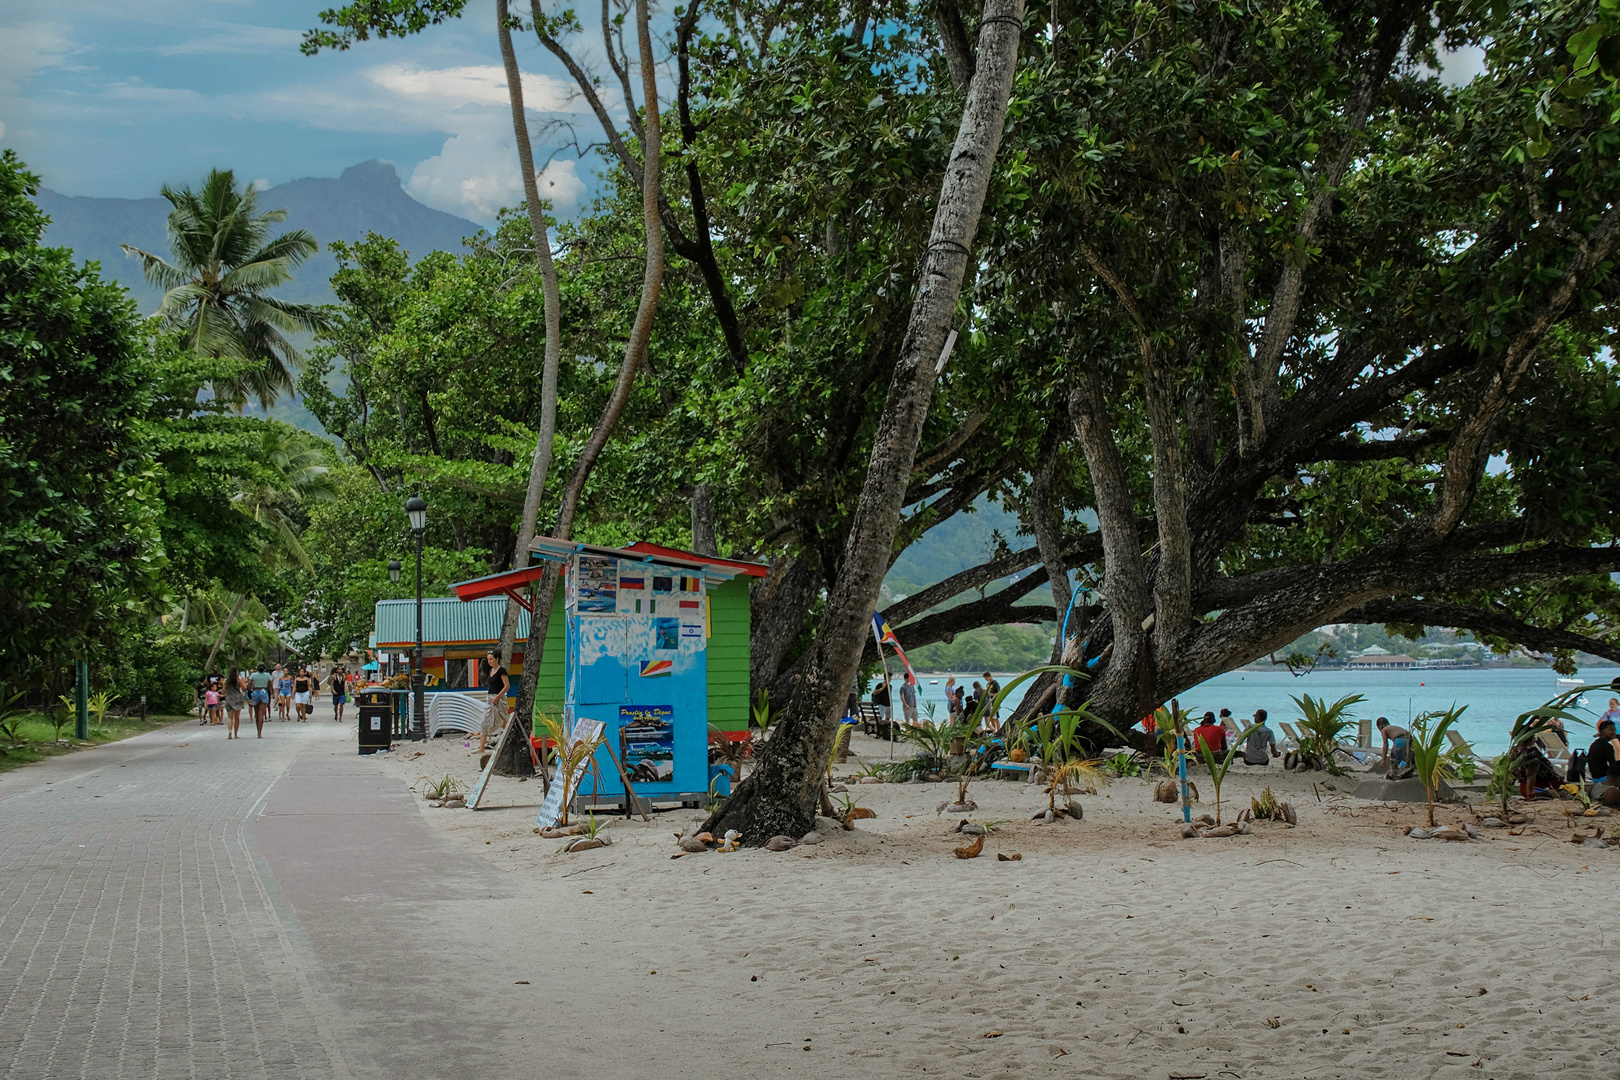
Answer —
693 604
651 669
632 581
691 584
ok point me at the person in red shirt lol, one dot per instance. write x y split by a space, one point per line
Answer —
1211 734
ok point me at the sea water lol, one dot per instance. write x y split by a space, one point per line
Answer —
1494 696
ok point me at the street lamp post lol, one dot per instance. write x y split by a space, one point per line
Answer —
416 510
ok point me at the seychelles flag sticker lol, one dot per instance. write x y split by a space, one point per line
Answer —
653 668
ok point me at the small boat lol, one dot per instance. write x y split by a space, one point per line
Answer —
933 682
1566 685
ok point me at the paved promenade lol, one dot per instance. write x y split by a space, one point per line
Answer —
182 906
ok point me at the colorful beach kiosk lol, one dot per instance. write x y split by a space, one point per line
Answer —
655 646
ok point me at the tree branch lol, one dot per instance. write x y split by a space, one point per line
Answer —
944 451
1288 297
1496 624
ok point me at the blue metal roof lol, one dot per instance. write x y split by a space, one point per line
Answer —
445 621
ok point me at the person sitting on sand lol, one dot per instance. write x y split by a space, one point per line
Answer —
1529 767
1261 739
1601 758
1211 734
1397 747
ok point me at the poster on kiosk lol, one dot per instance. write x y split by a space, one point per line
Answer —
637 661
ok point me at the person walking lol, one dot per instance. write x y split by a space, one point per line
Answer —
284 693
495 685
211 701
303 693
260 682
235 698
339 685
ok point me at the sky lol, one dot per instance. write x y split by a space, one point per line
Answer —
115 99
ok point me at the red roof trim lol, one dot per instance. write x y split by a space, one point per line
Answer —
751 569
497 584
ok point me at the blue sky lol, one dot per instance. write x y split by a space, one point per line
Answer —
114 99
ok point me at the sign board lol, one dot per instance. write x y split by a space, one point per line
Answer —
648 735
585 730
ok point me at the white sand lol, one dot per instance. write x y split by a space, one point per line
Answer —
1112 949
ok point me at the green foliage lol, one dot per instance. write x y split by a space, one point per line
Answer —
1324 725
217 290
989 648
1123 765
1219 766
79 546
1430 757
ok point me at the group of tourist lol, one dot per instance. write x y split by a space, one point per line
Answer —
958 702
1260 744
290 689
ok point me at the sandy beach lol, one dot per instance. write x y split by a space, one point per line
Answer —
1112 948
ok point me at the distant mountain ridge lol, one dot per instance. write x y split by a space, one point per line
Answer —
368 197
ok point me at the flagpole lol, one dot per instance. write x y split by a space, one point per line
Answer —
878 637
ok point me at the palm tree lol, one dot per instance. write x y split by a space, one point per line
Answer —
217 288
295 471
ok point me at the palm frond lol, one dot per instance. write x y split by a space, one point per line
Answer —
157 270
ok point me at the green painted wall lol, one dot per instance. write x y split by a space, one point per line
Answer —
548 691
728 655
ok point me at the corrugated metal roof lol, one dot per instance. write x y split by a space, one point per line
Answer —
445 620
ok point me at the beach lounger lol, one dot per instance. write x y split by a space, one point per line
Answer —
1459 743
1556 749
1291 735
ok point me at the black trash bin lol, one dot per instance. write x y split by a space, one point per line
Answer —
376 720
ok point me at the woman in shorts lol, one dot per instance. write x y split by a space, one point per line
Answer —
284 693
340 692
303 691
260 696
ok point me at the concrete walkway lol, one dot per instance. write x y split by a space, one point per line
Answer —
180 905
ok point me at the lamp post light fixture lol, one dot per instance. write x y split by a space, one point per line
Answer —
416 510
393 570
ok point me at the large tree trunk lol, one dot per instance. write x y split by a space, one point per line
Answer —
540 462
782 793
635 354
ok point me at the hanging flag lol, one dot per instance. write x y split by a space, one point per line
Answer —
885 636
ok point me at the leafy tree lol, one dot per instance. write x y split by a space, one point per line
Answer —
79 545
218 287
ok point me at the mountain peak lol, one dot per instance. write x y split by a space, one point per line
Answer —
373 173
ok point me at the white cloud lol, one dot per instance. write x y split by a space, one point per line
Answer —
483 84
261 184
234 38
167 97
560 183
28 48
476 174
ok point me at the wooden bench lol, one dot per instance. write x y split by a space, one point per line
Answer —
871 721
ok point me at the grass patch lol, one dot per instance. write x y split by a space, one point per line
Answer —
37 737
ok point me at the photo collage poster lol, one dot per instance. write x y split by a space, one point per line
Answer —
596 588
